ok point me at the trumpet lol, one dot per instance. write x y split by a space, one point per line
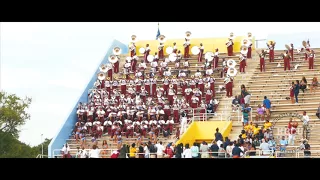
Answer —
132 76
124 77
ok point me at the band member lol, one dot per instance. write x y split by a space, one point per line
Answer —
249 49
154 65
175 82
109 72
286 59
194 101
165 86
307 49
184 123
209 72
186 64
147 84
192 83
311 59
146 53
177 64
133 63
208 94
271 50
212 81
262 55
143 94
186 48
123 86
201 48
242 62
160 49
174 48
188 94
197 74
198 94
201 86
176 115
216 59
153 87
116 66
224 68
230 47
163 65
171 93
229 85
291 51
132 49
183 85
138 83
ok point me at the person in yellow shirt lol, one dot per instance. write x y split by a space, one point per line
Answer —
256 129
133 150
243 134
267 125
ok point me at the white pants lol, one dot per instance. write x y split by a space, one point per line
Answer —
291 139
247 99
183 127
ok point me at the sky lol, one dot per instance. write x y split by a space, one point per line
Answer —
52 62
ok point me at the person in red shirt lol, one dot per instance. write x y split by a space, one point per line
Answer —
115 154
168 151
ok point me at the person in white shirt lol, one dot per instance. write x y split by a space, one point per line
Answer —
265 147
305 119
187 152
146 151
219 142
82 153
160 150
94 152
66 151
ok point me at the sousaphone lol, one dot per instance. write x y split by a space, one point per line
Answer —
150 58
143 88
231 63
188 35
116 51
249 35
128 59
155 77
142 50
171 86
195 50
101 76
133 38
169 50
231 36
207 86
232 72
304 44
244 50
287 47
122 96
161 38
209 56
271 42
173 57
113 59
103 68
244 42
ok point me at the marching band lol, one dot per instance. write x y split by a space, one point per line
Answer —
141 100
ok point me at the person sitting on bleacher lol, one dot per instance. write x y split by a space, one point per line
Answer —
260 113
235 104
303 84
267 125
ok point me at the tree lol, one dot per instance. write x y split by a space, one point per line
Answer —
38 149
13 113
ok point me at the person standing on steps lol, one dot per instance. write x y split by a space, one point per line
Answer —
267 105
218 136
296 90
305 120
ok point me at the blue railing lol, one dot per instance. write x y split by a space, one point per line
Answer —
66 129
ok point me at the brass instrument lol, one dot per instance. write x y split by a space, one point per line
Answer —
169 50
161 38
113 59
150 58
207 86
142 50
244 50
231 36
103 68
304 44
249 35
133 38
124 77
132 76
192 76
188 35
195 50
101 76
116 51
171 86
287 47
143 88
108 78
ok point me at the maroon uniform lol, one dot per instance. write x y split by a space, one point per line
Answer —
230 47
286 60
271 51
311 59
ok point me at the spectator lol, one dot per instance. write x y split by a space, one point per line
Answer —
266 134
265 147
229 149
245 94
305 119
292 92
260 113
195 150
218 135
82 153
152 149
115 154
94 152
104 147
303 84
235 104
296 90
123 152
66 151
267 104
204 149
221 152
236 151
283 144
160 149
256 142
314 85
146 150
306 149
272 144
179 151
168 151
133 150
226 142
187 152
141 151
214 149
245 113
318 112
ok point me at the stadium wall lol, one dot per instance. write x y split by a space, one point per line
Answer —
295 38
67 127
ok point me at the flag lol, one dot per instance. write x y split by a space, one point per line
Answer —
158 33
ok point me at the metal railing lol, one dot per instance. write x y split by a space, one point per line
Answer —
41 156
259 153
56 153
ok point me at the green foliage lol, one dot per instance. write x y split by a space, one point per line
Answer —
13 113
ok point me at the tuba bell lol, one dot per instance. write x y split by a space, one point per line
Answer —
116 51
113 59
173 57
249 35
142 50
103 68
244 50
244 42
161 38
108 78
304 44
287 47
150 58
209 56
101 76
195 50
231 36
171 86
133 38
192 76
188 35
169 50
143 88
